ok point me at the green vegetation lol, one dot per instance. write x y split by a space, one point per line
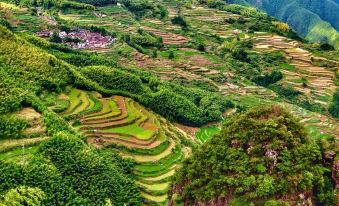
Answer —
98 2
122 126
11 127
154 92
268 79
23 196
180 21
308 19
205 133
257 155
334 107
55 170
145 8
93 126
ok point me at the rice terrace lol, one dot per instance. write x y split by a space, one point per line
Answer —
169 102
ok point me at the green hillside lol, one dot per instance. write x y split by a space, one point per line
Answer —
261 157
144 102
316 21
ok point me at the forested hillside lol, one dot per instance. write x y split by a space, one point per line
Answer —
313 20
261 157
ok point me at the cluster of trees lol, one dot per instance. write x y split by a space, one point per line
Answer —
268 78
261 22
179 20
62 5
29 196
249 64
98 2
66 171
87 5
11 127
175 102
334 106
145 8
143 39
114 79
262 156
286 91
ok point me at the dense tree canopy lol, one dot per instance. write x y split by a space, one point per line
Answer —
259 155
23 196
334 107
69 172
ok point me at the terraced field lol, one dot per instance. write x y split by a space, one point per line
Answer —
119 122
315 81
20 149
206 133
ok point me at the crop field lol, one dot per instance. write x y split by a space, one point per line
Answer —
119 122
22 20
20 148
319 81
205 133
112 17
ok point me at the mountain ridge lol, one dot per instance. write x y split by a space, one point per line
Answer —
316 21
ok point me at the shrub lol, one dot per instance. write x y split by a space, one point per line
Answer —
267 79
179 20
5 23
11 127
55 38
334 106
201 47
324 193
54 123
171 55
23 196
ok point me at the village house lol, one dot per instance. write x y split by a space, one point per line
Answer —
88 39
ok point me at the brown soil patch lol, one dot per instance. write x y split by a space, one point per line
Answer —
28 114
167 37
34 120
199 60
149 126
189 130
107 141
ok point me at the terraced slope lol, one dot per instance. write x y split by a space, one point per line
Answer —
119 122
319 81
19 149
